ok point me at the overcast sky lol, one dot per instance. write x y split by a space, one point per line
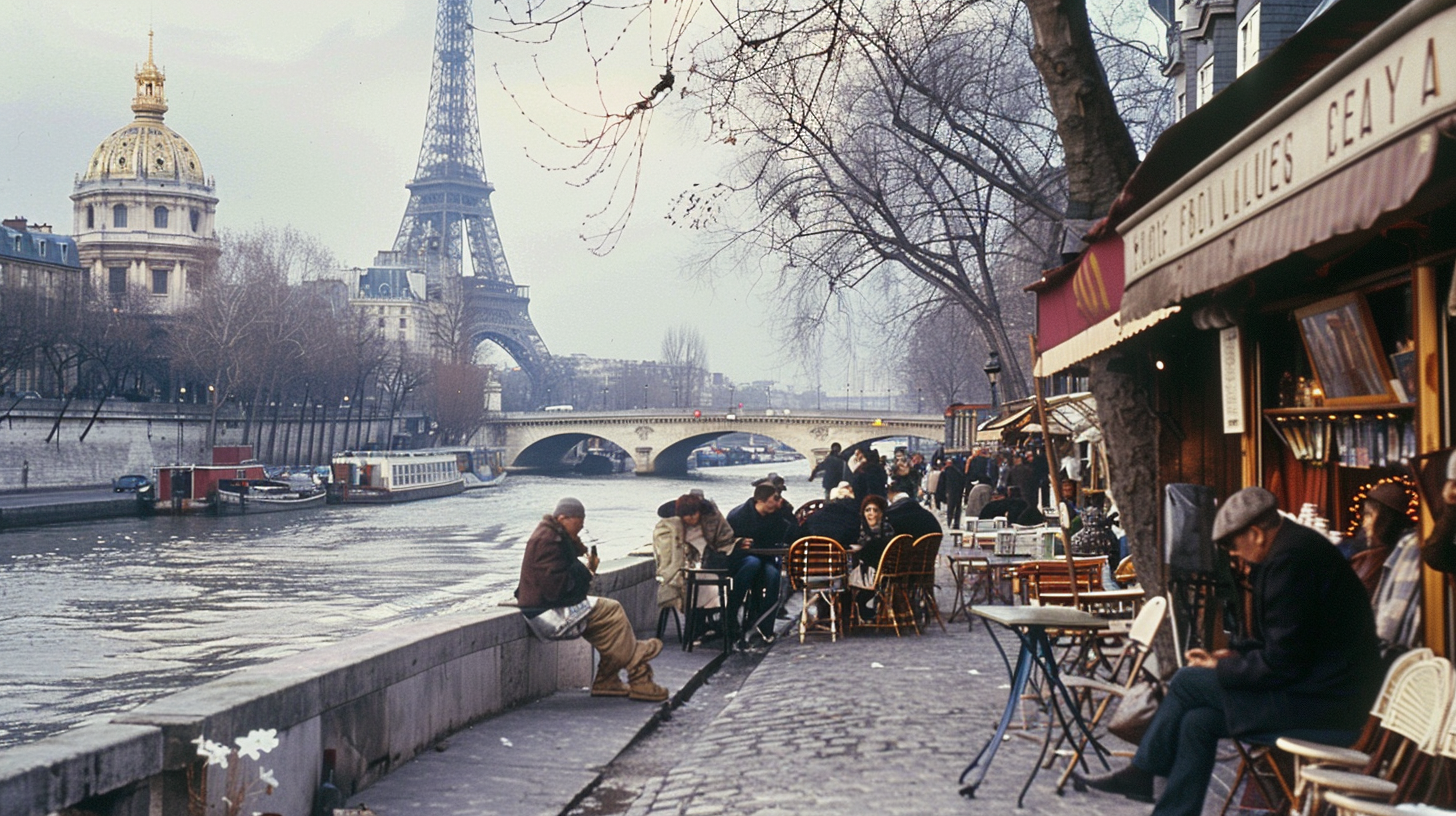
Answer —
311 114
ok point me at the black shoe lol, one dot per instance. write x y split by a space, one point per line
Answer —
1132 782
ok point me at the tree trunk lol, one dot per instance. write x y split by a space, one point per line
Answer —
1099 151
1120 381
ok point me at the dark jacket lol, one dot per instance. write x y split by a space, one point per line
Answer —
978 471
954 479
907 516
777 530
838 519
1312 660
552 574
1012 509
833 469
1023 476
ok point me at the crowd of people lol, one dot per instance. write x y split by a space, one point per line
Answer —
1322 621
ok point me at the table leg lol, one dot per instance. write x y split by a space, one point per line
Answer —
1013 701
958 571
1054 679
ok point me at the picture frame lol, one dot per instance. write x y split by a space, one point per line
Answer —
1429 472
1344 351
1403 364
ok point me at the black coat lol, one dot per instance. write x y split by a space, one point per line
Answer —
777 530
907 516
1312 660
833 468
954 479
838 519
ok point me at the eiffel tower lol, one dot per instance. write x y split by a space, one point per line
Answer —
449 207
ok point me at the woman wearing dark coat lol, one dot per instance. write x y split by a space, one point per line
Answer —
875 533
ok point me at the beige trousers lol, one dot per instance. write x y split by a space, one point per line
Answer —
610 632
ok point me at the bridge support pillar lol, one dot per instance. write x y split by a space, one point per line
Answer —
645 463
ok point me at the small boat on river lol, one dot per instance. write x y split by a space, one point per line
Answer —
264 496
394 476
480 467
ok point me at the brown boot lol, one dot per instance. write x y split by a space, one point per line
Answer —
609 684
642 688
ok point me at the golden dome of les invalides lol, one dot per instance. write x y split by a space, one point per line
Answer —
146 149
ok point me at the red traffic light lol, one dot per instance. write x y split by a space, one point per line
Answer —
698 414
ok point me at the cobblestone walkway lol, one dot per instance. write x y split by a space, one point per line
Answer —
871 724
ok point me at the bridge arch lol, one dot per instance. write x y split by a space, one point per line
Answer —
660 441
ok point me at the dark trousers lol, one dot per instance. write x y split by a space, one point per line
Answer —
953 503
755 587
1182 741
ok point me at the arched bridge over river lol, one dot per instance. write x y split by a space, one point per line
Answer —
660 441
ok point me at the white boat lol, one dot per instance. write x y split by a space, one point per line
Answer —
264 496
395 476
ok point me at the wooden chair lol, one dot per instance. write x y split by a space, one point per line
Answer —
1054 576
1086 690
894 605
1412 726
1350 806
807 509
819 568
923 554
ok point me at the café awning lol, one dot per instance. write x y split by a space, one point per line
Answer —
1355 147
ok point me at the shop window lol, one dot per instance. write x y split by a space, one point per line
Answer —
159 281
118 216
159 218
1248 49
116 280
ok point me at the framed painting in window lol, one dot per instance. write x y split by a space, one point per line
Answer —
1345 351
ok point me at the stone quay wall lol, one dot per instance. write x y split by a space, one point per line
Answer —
134 437
378 700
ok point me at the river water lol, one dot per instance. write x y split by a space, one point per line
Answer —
99 617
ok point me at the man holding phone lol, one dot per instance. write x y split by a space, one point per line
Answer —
553 597
1311 661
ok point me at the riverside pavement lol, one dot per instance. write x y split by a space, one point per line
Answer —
871 724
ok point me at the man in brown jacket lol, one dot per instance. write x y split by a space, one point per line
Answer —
554 580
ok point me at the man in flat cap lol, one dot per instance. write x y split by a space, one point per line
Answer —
1310 665
553 597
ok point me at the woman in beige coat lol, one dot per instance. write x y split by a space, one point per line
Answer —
680 541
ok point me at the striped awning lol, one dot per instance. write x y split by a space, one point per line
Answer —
1372 191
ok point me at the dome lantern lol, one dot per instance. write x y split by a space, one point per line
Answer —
150 102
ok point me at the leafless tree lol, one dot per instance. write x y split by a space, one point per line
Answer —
685 353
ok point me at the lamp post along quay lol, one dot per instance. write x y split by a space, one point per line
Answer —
993 373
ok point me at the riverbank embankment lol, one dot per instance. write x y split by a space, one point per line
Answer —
377 700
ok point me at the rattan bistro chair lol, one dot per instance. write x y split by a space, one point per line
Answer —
819 568
923 554
1414 722
807 509
894 587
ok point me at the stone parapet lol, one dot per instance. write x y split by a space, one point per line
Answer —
378 700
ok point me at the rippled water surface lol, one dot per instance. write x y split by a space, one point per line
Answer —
100 617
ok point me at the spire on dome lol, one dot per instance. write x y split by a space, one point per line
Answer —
150 102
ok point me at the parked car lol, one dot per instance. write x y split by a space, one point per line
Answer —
131 483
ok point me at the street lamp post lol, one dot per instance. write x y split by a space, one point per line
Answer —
604 398
920 400
732 395
768 397
644 395
993 373
181 398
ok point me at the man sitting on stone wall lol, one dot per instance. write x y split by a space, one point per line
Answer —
553 596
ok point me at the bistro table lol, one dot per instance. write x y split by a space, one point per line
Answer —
963 565
1030 624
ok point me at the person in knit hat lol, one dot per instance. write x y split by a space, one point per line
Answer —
553 596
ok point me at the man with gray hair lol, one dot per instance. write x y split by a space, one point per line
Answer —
1310 666
553 597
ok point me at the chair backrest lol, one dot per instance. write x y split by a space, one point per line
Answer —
924 551
1053 576
1419 702
895 560
814 557
807 509
1149 618
1398 667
